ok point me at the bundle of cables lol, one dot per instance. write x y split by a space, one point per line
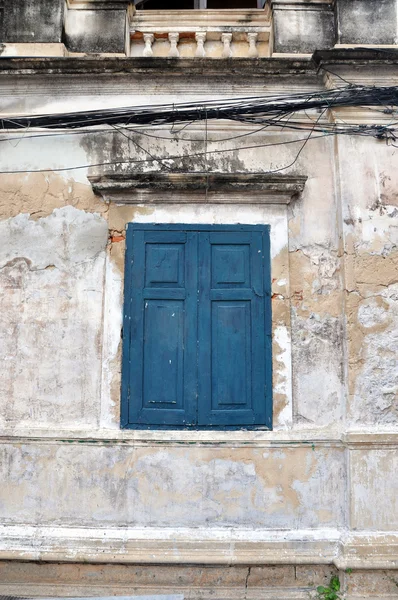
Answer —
289 112
268 110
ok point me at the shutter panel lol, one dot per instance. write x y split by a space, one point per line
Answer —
197 327
234 329
161 293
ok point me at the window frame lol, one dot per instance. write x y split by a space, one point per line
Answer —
125 382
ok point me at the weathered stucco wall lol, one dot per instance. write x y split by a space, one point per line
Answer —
122 486
319 489
52 269
370 208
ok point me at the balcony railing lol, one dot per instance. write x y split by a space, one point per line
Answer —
200 33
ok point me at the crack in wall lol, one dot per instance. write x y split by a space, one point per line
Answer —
249 569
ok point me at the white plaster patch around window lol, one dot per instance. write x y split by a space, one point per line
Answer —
276 217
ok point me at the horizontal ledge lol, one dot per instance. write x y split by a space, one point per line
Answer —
360 438
142 438
119 66
205 592
211 546
356 56
227 439
188 188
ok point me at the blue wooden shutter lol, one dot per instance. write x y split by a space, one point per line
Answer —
234 371
159 370
197 327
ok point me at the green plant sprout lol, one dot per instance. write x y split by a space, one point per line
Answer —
331 592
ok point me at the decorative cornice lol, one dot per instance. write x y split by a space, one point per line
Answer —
359 66
192 188
206 67
356 56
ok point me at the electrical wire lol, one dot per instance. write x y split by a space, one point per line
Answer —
266 112
259 110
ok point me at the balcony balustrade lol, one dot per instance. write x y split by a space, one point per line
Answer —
242 33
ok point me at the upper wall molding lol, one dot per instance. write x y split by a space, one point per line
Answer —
94 65
356 56
359 66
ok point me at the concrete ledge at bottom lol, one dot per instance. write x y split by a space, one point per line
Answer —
188 188
364 549
150 597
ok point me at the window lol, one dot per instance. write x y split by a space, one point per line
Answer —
199 4
197 327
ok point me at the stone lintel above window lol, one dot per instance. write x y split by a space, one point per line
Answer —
196 188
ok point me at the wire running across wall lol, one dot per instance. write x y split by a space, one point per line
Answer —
287 112
258 110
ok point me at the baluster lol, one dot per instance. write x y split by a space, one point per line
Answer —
252 39
173 39
200 38
148 39
226 39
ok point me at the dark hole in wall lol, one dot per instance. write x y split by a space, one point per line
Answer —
161 5
192 4
231 4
